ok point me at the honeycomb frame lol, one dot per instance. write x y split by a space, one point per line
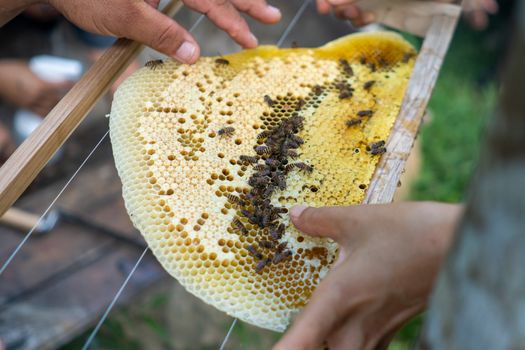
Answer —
179 134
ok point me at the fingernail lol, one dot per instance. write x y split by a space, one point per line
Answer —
254 39
296 211
274 11
186 51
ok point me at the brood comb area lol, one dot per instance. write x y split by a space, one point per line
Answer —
211 156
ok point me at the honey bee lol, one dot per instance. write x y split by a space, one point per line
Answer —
154 64
253 251
377 148
272 162
281 247
346 67
318 90
264 134
292 154
261 265
227 131
234 199
297 139
267 217
276 232
260 167
300 104
365 113
368 85
258 181
377 144
268 191
251 217
278 257
372 67
345 90
268 100
299 165
345 94
248 159
407 56
378 151
297 121
304 167
266 244
265 172
280 210
281 182
240 226
263 150
289 167
353 122
222 61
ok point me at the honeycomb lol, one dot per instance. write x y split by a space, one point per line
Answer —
213 155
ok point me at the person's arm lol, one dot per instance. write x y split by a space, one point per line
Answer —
22 88
389 258
140 20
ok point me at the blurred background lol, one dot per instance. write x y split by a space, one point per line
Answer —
59 284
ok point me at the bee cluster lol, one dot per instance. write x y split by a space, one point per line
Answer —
273 161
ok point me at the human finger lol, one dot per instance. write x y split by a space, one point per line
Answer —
161 33
340 2
348 336
350 12
323 7
323 222
226 17
491 6
354 13
307 332
259 10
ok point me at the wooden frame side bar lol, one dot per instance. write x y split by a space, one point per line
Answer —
32 155
388 172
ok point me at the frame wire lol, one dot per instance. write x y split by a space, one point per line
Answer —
24 240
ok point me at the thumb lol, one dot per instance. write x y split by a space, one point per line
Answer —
321 222
162 34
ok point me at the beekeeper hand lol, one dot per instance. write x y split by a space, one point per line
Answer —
141 21
389 258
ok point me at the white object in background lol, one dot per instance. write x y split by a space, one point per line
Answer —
55 69
51 69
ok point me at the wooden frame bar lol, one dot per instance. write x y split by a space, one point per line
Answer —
424 77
